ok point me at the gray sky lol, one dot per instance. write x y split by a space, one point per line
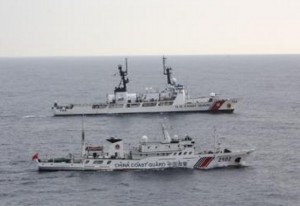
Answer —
148 27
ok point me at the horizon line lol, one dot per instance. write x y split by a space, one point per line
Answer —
149 55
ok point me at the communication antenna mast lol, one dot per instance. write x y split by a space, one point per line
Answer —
122 85
216 139
167 138
126 65
167 71
82 137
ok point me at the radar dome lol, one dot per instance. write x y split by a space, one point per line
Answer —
144 138
174 80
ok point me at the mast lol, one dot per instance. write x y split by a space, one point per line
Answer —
216 140
82 138
126 65
122 85
167 138
167 71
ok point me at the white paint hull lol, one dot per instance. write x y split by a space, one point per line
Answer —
199 161
90 109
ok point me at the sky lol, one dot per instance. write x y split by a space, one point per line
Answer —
148 27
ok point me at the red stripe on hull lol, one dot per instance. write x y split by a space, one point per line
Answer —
211 159
206 162
218 104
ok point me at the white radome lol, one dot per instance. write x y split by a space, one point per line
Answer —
144 139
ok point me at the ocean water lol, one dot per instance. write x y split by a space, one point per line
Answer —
267 118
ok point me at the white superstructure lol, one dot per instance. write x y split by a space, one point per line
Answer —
169 153
174 98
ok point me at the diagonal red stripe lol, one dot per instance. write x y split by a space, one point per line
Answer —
217 105
211 159
200 161
205 162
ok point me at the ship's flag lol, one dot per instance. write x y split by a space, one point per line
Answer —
35 156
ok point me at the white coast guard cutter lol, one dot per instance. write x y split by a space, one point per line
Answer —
174 98
169 153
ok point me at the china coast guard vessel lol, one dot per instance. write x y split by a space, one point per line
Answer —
166 154
174 98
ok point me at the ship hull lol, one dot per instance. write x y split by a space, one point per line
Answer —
199 161
226 106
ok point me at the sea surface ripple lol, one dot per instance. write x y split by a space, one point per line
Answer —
266 118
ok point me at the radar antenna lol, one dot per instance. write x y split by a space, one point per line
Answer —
167 71
122 85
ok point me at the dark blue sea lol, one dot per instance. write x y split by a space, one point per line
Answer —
267 118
